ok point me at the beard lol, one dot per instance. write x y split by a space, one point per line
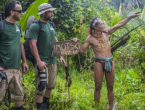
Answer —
48 18
16 18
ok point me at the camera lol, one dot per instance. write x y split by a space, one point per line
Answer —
43 79
2 75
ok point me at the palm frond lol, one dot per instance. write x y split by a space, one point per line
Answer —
32 10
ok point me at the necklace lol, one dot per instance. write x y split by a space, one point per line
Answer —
99 38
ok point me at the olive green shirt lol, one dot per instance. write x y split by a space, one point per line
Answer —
43 41
10 46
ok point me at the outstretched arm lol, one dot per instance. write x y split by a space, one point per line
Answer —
85 46
121 23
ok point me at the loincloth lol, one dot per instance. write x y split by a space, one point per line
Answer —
105 62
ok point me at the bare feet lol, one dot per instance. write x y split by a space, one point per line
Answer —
113 106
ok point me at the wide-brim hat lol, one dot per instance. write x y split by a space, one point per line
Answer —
45 7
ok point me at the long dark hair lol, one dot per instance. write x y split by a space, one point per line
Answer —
10 6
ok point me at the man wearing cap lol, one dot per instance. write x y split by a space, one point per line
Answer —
42 50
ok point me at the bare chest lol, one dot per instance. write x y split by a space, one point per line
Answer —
100 43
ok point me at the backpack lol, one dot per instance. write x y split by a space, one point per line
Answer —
30 21
2 17
2 28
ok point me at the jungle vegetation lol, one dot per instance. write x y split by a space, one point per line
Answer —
72 18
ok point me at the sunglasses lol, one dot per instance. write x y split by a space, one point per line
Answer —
19 11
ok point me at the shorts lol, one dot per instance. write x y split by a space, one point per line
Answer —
15 85
51 71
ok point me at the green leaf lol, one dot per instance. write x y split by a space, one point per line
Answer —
32 10
132 73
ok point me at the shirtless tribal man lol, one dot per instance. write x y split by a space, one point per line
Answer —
104 65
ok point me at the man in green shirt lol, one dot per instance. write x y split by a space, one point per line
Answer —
42 50
11 50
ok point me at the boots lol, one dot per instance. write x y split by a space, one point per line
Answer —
19 108
45 103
